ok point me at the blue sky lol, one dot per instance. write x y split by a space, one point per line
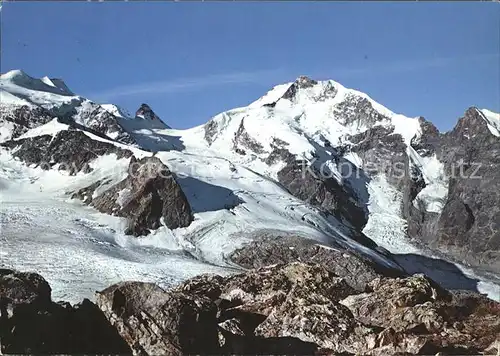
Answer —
190 61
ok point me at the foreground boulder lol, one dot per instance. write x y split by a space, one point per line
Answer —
31 323
153 321
433 319
147 197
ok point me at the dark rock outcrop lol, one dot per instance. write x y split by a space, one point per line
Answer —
98 119
148 196
280 309
157 322
30 323
23 118
146 113
301 82
429 139
382 152
273 309
71 150
468 227
309 184
359 112
243 141
357 270
211 130
279 152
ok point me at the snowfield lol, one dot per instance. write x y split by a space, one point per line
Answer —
493 121
77 249
234 197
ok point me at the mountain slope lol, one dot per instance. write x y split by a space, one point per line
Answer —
312 159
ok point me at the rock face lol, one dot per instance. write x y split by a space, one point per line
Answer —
98 119
355 269
146 113
382 152
153 321
30 323
243 142
306 182
70 150
148 198
293 308
468 227
22 118
470 220
429 139
301 308
358 111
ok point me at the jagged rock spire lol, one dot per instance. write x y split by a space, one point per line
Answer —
146 113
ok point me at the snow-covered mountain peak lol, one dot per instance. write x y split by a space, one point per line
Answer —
305 92
298 92
304 115
24 100
14 74
19 89
22 80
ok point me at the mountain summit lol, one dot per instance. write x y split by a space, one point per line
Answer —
146 113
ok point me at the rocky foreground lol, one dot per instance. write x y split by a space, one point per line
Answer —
285 308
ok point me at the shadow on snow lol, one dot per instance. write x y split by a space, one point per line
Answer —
205 197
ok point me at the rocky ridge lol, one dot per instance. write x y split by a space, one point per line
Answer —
148 197
298 308
69 150
468 226
145 112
